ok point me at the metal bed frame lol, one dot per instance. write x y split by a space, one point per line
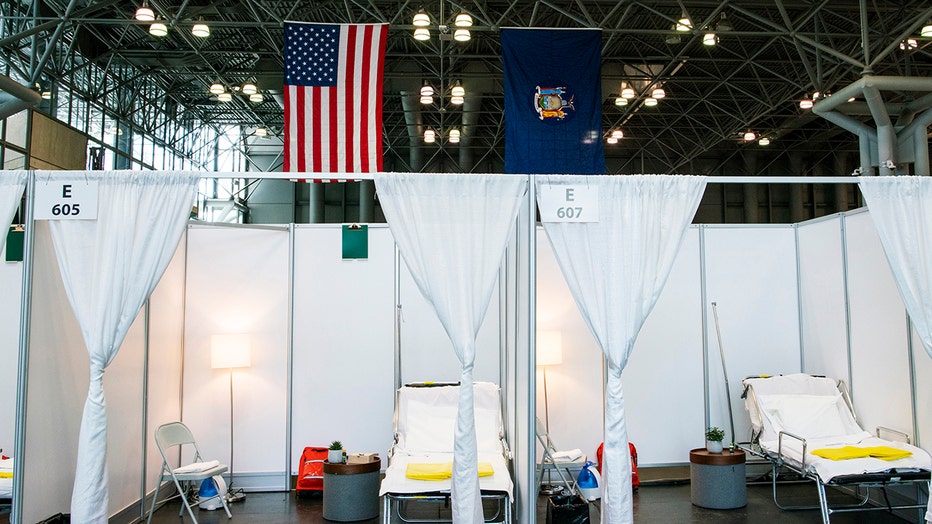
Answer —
858 485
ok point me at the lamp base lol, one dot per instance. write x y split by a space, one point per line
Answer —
550 489
236 496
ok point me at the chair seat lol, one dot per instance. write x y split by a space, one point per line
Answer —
201 474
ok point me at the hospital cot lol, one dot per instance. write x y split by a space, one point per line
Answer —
806 424
424 422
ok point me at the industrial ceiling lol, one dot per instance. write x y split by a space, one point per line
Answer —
769 55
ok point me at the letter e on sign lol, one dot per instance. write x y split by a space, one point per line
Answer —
561 203
71 200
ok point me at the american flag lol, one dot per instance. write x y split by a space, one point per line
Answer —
333 97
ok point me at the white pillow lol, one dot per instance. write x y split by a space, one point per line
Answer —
431 428
808 416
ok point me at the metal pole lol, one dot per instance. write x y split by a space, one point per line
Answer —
721 352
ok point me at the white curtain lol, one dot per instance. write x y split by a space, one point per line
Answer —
452 231
901 207
12 184
615 269
109 266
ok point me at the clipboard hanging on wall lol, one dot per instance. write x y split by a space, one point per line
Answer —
355 241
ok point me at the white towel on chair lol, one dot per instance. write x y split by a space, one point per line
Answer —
571 455
198 466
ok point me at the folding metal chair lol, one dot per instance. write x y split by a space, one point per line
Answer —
550 462
174 434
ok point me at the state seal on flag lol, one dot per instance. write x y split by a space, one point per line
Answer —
554 104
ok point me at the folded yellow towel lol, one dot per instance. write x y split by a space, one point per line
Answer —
440 470
852 452
6 474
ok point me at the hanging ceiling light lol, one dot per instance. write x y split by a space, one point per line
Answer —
658 93
224 97
217 88
421 33
461 35
458 90
145 13
749 136
200 30
256 98
619 101
420 19
617 133
611 140
429 136
249 88
427 89
764 141
463 20
709 39
454 136
427 100
926 30
909 44
805 103
684 24
158 29
261 131
628 92
650 102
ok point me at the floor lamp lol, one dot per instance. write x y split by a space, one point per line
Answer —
230 351
549 353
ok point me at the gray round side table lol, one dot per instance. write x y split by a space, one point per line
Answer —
717 480
351 491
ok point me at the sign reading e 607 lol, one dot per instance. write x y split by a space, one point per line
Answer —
72 200
560 203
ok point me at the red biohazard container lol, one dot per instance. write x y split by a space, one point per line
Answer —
635 481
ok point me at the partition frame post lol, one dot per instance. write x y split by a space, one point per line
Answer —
22 376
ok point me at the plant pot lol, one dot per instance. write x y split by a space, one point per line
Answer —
335 456
713 446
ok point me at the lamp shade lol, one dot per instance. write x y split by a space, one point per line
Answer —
229 351
549 348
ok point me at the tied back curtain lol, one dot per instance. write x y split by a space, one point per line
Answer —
616 268
452 231
901 208
12 184
109 266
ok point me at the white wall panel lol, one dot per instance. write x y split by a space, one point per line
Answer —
11 282
426 351
663 375
343 385
237 282
166 336
822 298
123 387
750 272
880 365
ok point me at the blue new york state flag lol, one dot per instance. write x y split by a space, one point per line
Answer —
553 101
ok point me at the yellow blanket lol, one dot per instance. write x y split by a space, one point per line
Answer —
6 474
440 470
852 452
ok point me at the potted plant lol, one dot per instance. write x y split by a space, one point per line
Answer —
335 452
713 439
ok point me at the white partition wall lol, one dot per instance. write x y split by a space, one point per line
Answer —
164 364
880 378
750 273
237 283
823 298
664 374
11 281
343 357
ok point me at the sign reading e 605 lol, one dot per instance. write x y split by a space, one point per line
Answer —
73 200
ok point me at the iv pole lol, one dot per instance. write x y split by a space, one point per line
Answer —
721 352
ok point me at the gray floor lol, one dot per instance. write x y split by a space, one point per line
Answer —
668 502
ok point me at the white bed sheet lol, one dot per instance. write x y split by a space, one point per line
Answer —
6 484
395 480
827 469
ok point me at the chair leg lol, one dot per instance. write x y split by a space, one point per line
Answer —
223 500
184 502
